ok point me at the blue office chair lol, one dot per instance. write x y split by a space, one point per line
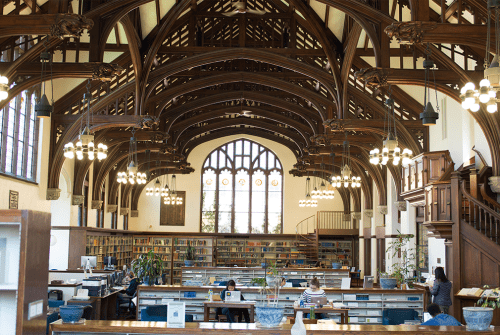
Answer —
296 282
223 283
159 313
51 318
393 316
55 303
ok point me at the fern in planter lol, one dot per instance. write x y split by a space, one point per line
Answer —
148 267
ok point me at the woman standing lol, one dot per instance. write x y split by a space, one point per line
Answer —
441 290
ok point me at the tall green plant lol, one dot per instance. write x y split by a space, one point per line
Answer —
190 252
404 258
148 267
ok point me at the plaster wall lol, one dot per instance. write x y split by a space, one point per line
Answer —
293 191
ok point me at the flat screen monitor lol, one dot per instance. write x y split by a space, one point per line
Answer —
91 259
109 260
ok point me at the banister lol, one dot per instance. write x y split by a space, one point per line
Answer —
477 202
488 198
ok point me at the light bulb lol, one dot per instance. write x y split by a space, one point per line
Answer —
474 107
346 184
338 184
484 83
469 86
491 107
358 184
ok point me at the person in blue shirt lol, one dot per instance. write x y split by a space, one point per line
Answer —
439 318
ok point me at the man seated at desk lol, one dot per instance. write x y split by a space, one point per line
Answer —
231 312
131 289
439 318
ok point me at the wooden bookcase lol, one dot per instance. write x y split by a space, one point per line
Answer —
253 252
114 246
336 251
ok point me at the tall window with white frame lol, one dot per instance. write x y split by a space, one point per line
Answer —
242 190
19 137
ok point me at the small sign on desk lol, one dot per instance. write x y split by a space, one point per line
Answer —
176 314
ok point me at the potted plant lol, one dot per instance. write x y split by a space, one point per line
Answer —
269 314
404 262
479 318
148 267
190 257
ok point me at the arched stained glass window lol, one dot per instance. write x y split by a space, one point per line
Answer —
242 190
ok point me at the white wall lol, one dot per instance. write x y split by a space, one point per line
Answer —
293 191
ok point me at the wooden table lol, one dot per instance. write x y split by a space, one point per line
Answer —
344 312
223 328
214 304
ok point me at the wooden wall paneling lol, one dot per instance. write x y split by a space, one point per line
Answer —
368 256
470 261
36 234
420 174
77 244
489 271
434 168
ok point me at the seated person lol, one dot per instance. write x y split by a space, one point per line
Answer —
313 291
131 289
283 282
231 312
439 318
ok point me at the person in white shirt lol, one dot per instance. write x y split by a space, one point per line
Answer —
313 291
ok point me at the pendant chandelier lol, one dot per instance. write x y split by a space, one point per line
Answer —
132 176
308 201
390 148
171 198
346 178
85 145
490 85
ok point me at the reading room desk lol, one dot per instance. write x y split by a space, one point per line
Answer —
215 328
214 304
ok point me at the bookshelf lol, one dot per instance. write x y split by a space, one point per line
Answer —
253 252
161 246
114 246
335 251
203 254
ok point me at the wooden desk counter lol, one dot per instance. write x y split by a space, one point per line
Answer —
131 327
290 290
344 312
104 307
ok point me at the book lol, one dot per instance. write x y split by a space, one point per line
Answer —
474 292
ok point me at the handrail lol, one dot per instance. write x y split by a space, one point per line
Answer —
488 199
480 216
334 220
306 220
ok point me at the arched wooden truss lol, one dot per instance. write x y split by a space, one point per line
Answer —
289 79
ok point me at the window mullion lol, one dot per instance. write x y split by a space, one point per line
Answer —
15 137
266 215
233 175
27 121
250 180
5 127
217 179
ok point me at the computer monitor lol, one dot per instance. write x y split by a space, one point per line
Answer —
109 260
90 260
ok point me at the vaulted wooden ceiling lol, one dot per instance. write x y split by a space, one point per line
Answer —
185 73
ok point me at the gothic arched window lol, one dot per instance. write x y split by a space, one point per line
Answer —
242 190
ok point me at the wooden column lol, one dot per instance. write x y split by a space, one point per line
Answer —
456 261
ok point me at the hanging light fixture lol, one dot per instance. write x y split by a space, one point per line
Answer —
165 190
308 201
330 192
390 145
132 176
429 116
85 145
346 178
172 198
315 193
490 85
4 87
43 108
155 189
